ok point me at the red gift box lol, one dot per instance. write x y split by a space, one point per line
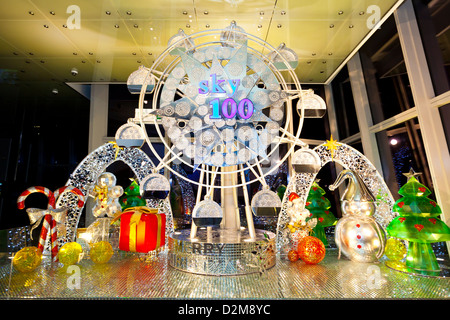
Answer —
141 229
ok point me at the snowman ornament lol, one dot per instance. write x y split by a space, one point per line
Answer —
358 236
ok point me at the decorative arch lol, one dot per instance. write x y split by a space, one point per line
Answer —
351 159
86 174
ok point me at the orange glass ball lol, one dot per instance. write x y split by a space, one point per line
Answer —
311 250
292 255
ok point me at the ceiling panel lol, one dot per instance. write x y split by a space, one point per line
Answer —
117 36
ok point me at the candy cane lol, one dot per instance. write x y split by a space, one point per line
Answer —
73 190
26 193
46 225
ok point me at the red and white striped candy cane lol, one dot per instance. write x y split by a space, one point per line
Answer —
46 226
26 193
73 190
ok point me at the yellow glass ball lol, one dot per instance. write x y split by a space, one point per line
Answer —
395 249
70 253
101 252
27 259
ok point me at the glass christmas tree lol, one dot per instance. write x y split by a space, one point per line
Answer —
419 224
132 197
318 205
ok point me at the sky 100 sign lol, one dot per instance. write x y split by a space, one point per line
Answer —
229 107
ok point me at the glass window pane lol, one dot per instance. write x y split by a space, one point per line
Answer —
433 21
385 74
401 148
344 105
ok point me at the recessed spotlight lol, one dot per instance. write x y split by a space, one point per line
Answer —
52 13
31 13
150 53
83 61
324 62
261 13
259 26
321 71
136 26
116 26
205 12
188 26
361 13
308 62
15 53
331 25
151 28
46 26
330 53
31 53
129 13
313 54
139 61
108 13
133 53
98 61
91 53
393 141
64 25
283 13
42 61
279 25
74 53
207 26
185 13
340 12
27 61
350 26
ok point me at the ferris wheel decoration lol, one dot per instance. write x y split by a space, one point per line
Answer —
221 101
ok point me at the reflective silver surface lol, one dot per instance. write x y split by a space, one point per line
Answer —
127 276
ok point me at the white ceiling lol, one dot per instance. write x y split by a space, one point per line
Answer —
35 45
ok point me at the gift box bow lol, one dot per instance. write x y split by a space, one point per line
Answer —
36 215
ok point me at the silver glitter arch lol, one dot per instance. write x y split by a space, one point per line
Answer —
86 174
351 159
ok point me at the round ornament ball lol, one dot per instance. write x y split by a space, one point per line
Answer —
27 259
70 253
292 255
311 250
395 249
101 252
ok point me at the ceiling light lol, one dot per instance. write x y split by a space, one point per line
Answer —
259 26
129 13
283 13
74 53
108 13
98 61
185 12
340 12
42 61
151 28
116 26
261 13
313 54
308 62
331 25
188 26
324 62
330 53
91 53
136 26
64 25
46 26
279 25
30 53
55 91
15 53
361 13
350 26
150 53
31 13
321 71
205 12
52 13
393 141
139 61
207 26
134 53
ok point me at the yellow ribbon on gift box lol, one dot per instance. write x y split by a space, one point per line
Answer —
137 235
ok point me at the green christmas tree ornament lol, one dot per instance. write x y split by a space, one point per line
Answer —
132 197
418 222
318 205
